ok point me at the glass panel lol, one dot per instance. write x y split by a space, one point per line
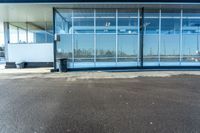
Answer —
13 34
1 34
64 47
49 30
127 48
39 32
84 48
127 25
151 13
170 39
127 13
105 44
30 37
105 13
63 22
63 27
83 13
106 25
127 37
22 36
106 21
84 25
190 45
32 32
83 21
171 13
151 38
190 13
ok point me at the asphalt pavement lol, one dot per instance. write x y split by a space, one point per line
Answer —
129 105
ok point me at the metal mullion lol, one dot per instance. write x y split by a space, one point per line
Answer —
26 32
46 32
181 36
138 57
73 37
95 50
18 35
116 42
159 43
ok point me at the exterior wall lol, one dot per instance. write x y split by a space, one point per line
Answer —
30 52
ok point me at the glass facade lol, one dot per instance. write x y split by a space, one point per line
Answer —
92 38
30 32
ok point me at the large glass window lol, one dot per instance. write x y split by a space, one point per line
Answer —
127 43
83 37
170 37
191 37
106 48
105 36
13 31
111 37
151 38
31 32
63 28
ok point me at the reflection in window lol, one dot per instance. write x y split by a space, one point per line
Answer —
84 25
127 48
151 38
106 25
127 25
105 44
83 13
64 47
84 47
63 22
31 32
170 37
106 21
13 31
127 35
105 13
31 37
22 36
191 37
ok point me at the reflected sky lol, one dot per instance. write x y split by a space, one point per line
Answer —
114 33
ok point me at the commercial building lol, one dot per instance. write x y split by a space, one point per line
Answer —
102 34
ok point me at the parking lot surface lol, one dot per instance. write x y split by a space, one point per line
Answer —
168 104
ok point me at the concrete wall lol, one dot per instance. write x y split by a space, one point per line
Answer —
30 52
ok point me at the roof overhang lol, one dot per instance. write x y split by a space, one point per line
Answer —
38 12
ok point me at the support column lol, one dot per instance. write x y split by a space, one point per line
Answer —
6 39
54 42
141 36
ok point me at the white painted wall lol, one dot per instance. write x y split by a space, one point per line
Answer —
30 52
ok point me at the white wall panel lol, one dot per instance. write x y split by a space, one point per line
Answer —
30 52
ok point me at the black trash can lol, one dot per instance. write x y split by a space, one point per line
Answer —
62 65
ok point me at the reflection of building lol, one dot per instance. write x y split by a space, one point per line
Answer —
102 33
